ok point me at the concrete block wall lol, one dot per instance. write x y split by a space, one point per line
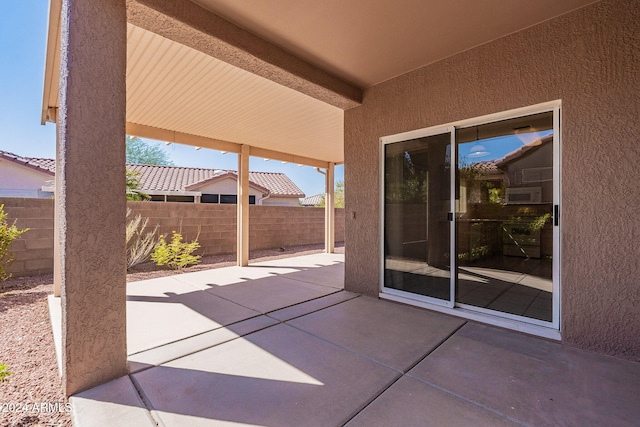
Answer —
270 227
284 226
34 249
215 224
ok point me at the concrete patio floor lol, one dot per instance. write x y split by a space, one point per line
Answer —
280 343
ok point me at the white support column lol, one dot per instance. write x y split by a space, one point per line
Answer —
242 220
329 211
90 198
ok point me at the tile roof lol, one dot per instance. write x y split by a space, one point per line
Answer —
170 178
178 178
314 200
278 183
43 165
494 167
515 154
486 166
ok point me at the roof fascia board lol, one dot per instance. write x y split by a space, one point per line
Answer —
51 59
181 138
188 23
286 157
170 193
217 144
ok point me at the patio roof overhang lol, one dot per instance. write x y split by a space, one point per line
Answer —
220 74
275 84
179 94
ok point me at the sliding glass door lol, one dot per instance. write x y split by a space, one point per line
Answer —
504 234
417 239
471 216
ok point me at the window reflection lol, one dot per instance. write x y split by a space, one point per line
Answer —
503 224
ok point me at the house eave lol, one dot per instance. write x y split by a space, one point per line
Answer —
49 99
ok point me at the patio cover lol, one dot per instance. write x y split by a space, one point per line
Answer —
179 91
271 80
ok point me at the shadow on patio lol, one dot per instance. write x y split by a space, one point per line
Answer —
280 343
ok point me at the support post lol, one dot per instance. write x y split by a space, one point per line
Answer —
243 207
329 211
90 198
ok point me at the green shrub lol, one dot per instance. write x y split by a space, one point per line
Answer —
139 244
4 373
176 254
8 233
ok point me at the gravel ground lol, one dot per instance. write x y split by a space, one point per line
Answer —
26 341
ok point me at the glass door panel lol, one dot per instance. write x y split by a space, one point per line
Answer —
417 200
504 206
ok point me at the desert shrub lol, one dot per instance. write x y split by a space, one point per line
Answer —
4 373
139 244
176 254
8 233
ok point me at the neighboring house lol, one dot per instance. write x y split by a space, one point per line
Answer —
525 174
33 178
182 184
315 200
26 176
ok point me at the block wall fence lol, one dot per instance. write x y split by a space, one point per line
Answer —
270 227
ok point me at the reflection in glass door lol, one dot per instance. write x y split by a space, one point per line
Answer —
504 234
483 237
417 202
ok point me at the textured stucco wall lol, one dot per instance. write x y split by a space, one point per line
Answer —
590 60
90 162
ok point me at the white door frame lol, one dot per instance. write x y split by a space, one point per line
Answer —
551 329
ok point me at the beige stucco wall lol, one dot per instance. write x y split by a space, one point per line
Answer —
90 173
230 186
281 201
590 60
22 181
226 186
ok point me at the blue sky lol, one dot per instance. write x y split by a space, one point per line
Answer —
23 27
498 147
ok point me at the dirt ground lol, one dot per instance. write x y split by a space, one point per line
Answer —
33 394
